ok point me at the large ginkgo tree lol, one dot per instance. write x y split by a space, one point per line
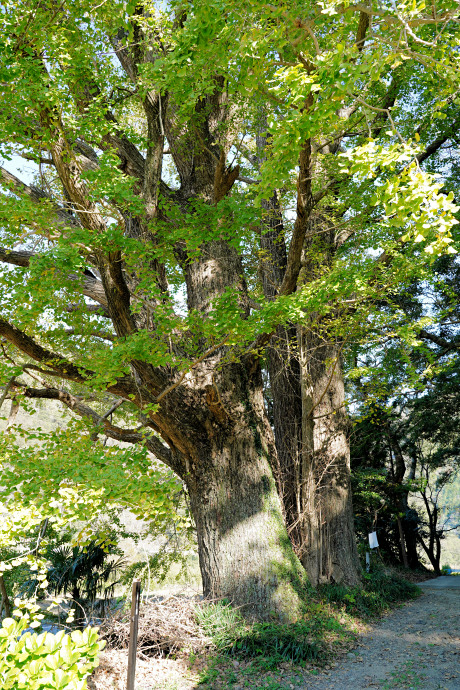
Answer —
217 189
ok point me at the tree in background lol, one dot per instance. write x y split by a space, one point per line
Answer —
406 443
293 198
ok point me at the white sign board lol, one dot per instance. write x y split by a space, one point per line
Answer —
373 543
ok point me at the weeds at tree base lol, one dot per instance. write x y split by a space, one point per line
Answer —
277 654
379 592
267 655
307 640
326 631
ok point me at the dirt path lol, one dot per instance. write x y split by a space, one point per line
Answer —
416 647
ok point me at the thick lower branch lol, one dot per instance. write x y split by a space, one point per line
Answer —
62 367
135 436
91 287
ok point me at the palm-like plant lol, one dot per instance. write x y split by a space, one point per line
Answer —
84 572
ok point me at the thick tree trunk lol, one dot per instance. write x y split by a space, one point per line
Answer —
244 550
313 471
329 549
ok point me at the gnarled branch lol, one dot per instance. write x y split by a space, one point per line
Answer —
75 404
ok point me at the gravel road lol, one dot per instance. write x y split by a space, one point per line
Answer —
416 647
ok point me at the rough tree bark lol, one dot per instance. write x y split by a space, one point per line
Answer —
329 549
5 601
310 422
313 470
244 550
202 409
211 419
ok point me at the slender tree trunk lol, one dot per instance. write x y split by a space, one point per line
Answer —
433 555
402 544
406 525
433 547
410 521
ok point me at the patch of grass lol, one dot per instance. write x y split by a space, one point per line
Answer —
294 642
272 641
379 591
221 622
260 649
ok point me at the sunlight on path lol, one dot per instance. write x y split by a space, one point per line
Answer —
417 647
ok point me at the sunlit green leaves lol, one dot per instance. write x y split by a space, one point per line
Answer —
40 661
73 478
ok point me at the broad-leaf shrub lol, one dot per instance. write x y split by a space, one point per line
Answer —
41 661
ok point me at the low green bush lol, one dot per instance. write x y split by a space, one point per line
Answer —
45 661
379 591
15 576
296 642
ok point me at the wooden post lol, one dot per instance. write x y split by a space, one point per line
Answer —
134 622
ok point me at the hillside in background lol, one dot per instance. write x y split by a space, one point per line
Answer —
47 416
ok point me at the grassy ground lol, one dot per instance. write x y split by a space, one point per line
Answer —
276 657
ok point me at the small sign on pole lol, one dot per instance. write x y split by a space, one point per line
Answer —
373 543
133 628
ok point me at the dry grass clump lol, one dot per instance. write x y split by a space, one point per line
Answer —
167 627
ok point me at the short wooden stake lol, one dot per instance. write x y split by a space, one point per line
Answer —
134 624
